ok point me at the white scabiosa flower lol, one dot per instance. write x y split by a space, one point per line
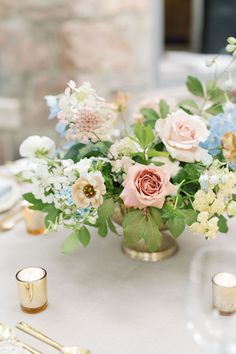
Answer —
37 146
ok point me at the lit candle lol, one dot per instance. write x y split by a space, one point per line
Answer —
32 287
224 293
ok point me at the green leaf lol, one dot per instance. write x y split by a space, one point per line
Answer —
133 224
149 113
164 108
186 110
138 226
176 226
112 226
71 243
74 151
189 215
84 235
155 153
156 215
36 204
217 95
102 228
222 224
195 86
144 135
106 210
52 214
215 109
152 235
188 103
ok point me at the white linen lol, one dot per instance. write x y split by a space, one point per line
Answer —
101 299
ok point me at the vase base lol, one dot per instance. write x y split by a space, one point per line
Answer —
168 248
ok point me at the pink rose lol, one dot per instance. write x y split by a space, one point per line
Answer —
181 133
146 186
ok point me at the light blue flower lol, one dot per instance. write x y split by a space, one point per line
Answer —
218 126
61 129
82 213
66 195
52 102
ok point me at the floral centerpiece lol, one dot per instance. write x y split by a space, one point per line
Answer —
174 168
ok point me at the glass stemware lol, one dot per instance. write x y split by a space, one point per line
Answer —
210 329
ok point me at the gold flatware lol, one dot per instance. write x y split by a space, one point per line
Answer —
27 347
9 215
9 225
42 337
7 334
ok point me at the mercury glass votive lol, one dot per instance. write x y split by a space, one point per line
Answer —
34 220
32 288
224 293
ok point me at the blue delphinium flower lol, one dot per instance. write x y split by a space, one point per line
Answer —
82 213
52 102
66 195
218 126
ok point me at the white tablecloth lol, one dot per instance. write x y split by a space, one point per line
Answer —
101 299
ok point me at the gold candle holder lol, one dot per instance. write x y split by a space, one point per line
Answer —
32 288
224 293
34 221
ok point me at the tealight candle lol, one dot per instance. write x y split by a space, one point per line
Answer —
224 293
32 287
34 220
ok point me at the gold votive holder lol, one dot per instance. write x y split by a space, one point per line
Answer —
34 221
224 293
32 288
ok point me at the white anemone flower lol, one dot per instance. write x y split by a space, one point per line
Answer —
37 146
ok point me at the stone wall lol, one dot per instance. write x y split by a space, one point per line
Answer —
45 43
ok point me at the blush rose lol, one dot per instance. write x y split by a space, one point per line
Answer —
182 133
146 186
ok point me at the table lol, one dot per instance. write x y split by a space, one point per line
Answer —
101 299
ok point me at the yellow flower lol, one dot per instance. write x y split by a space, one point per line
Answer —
200 201
213 228
231 209
218 206
229 146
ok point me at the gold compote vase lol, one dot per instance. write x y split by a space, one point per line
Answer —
139 251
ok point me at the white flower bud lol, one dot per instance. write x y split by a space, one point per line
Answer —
231 40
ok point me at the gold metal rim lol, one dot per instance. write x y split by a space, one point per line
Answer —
151 256
33 311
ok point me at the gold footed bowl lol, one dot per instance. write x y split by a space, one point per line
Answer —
139 251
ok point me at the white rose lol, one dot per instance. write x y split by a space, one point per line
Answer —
37 146
181 133
173 167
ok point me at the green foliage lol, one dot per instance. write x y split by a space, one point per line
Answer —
49 209
215 109
105 213
138 225
84 235
71 243
150 116
78 236
80 151
164 108
176 226
188 106
215 93
176 219
73 151
195 86
222 224
190 174
144 135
